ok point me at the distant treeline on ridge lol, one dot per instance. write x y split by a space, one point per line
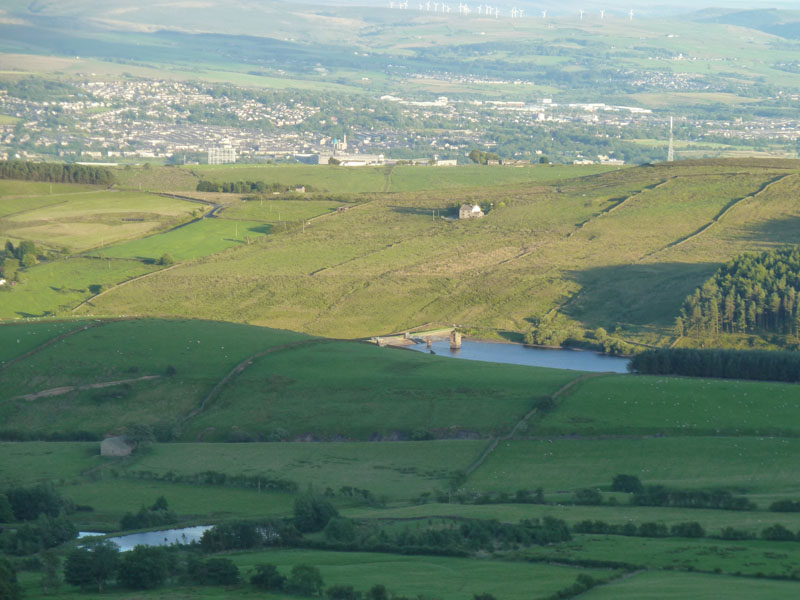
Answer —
247 187
55 173
752 293
726 364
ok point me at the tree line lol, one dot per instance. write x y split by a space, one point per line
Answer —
753 293
247 187
726 364
55 172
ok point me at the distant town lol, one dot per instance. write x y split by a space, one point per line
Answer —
134 120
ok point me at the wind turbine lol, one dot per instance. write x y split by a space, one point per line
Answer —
514 13
630 15
602 14
544 14
581 11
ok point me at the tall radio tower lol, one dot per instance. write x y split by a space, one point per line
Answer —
671 151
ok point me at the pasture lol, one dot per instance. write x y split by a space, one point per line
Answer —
275 211
757 466
85 220
748 558
679 586
133 359
439 577
194 240
12 188
345 390
650 405
415 178
55 287
321 178
397 471
713 521
609 249
17 339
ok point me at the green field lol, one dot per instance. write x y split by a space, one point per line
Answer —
136 356
14 188
358 391
399 471
747 558
54 288
678 586
273 211
751 465
415 179
645 405
321 178
195 240
446 578
713 521
16 340
82 221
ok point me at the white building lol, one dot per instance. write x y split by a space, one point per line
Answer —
221 155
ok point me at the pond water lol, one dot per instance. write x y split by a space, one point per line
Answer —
167 537
517 354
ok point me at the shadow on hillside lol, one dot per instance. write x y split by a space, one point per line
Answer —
774 233
640 295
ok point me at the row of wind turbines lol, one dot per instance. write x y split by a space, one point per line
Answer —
482 10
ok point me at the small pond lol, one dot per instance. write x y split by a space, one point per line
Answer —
167 537
517 354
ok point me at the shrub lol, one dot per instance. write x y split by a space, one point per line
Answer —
778 533
305 580
626 483
267 578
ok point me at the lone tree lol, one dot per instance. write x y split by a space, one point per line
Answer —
305 580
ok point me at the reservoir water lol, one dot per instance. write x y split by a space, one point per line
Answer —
167 537
517 354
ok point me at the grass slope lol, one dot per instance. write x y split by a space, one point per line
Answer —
56 287
359 391
678 586
676 406
604 248
201 353
399 471
195 240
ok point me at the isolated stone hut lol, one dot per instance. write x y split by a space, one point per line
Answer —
120 445
470 211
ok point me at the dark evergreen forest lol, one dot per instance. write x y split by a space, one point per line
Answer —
753 293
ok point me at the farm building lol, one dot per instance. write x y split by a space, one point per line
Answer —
470 211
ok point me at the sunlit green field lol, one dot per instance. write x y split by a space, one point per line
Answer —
195 240
56 287
81 221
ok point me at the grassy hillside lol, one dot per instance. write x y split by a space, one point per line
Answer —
163 373
214 381
619 249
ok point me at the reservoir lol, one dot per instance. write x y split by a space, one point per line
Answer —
517 354
187 535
